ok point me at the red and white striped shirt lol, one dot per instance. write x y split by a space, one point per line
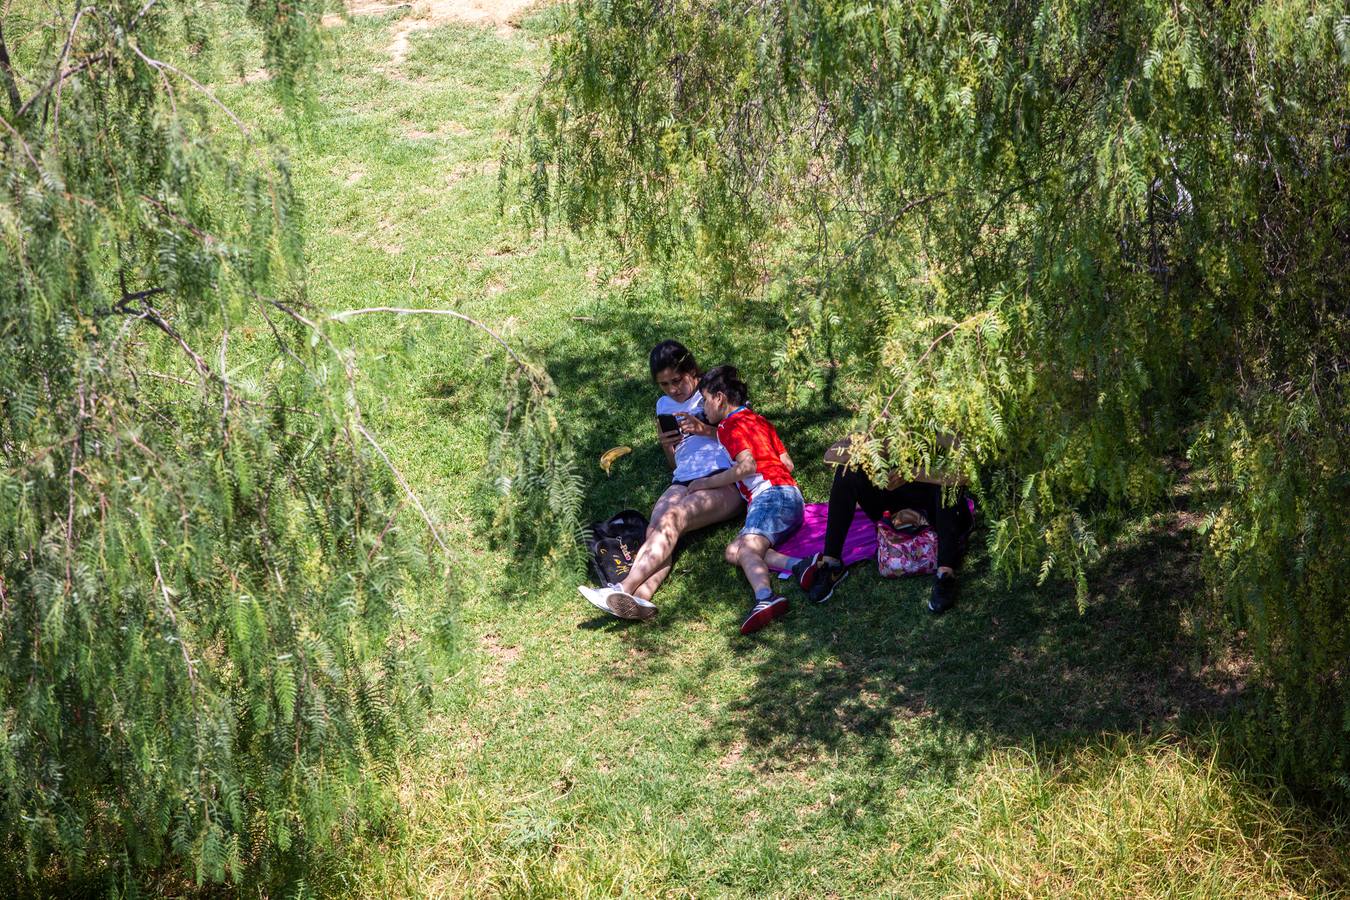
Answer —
746 429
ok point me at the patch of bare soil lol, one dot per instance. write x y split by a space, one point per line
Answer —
386 236
424 14
451 128
734 755
499 658
461 170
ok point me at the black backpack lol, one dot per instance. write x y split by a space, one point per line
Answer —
614 543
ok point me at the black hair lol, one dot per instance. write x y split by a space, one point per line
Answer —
725 380
672 355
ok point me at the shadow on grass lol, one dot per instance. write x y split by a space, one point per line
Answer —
1010 665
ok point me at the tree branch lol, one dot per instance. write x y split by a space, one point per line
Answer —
401 310
139 295
56 110
151 315
160 65
59 77
28 151
7 70
361 428
136 19
412 495
122 306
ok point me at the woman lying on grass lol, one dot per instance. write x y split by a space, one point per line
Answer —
693 451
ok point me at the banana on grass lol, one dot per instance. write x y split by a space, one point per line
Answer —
607 458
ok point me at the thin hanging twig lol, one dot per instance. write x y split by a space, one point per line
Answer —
403 310
160 65
27 150
885 410
407 488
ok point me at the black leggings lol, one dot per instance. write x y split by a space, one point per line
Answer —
852 488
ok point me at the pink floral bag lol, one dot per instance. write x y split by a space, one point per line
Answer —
905 551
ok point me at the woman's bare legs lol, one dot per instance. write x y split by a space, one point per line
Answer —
662 521
679 510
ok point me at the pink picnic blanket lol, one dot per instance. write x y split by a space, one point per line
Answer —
861 542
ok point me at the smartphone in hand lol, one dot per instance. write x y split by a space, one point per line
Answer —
667 423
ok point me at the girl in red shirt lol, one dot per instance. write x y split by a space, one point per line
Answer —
762 470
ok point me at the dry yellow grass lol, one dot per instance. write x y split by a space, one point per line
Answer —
1132 819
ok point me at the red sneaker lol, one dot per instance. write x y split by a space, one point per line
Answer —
764 612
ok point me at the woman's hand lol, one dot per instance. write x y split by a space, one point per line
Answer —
908 517
694 425
668 440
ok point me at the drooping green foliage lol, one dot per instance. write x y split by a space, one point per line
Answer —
536 486
205 664
1104 243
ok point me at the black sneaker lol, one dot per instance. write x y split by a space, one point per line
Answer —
944 594
764 612
826 576
805 571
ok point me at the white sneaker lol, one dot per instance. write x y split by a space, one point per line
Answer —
596 597
626 606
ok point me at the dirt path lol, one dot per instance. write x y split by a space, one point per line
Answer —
424 14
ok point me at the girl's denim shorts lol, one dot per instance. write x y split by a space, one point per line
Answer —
775 512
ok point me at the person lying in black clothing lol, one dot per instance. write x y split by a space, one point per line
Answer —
905 500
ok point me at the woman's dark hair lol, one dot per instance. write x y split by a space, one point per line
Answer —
672 355
725 380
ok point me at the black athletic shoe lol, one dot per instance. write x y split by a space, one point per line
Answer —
764 612
944 594
827 576
805 571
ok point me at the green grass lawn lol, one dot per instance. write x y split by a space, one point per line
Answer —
1013 747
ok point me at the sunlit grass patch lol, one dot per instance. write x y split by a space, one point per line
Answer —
1131 818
